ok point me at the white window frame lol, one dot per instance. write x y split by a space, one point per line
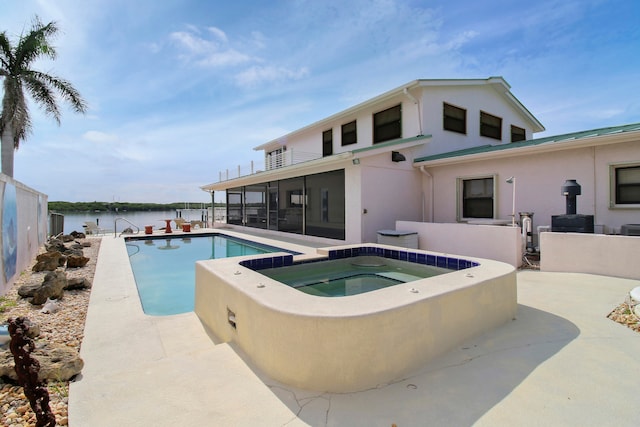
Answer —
460 194
612 186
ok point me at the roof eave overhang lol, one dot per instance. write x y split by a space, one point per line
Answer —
280 173
396 145
533 149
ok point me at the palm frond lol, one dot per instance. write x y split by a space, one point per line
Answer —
5 53
67 92
35 44
42 93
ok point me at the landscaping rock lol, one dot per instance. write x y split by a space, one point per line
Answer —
27 291
52 287
57 362
78 235
49 261
55 245
75 261
78 283
76 246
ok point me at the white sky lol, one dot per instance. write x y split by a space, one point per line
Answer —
179 90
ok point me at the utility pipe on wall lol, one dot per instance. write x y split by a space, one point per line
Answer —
424 172
415 101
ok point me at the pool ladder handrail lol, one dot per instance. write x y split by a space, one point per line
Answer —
115 221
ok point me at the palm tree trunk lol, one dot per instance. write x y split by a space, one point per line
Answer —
8 149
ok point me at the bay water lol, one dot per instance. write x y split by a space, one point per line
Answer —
74 221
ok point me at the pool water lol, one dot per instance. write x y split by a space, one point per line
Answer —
164 268
350 276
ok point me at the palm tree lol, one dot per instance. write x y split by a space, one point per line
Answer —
15 68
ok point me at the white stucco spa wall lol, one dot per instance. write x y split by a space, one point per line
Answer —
615 256
493 242
355 343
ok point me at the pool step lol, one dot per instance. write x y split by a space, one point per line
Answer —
400 277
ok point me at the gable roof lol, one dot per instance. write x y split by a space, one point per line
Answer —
496 82
556 142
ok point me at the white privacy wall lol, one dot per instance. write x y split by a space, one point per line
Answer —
500 243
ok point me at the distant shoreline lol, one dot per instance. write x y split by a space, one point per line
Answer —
99 207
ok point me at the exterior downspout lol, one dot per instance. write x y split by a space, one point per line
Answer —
424 172
415 101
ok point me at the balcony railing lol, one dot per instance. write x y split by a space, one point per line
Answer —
272 161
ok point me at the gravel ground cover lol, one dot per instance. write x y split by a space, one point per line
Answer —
65 327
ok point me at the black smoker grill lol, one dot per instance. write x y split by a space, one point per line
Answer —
572 222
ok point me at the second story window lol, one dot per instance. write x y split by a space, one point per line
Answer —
490 126
387 124
454 118
327 143
349 133
517 134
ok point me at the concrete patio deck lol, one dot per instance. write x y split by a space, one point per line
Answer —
560 362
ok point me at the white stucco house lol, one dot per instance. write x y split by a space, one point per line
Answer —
437 151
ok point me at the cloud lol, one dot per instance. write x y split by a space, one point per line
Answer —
260 74
99 137
213 49
218 33
208 52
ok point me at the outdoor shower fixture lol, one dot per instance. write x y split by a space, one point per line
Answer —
512 180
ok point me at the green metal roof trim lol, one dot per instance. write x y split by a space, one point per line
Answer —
531 142
391 143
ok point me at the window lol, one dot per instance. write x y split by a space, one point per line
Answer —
349 134
327 143
454 119
490 126
387 124
626 185
296 199
476 199
517 134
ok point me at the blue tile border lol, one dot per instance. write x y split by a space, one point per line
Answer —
409 256
268 262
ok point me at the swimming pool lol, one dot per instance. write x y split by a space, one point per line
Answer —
350 276
164 267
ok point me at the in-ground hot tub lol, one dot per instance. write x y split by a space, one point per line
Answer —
353 342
